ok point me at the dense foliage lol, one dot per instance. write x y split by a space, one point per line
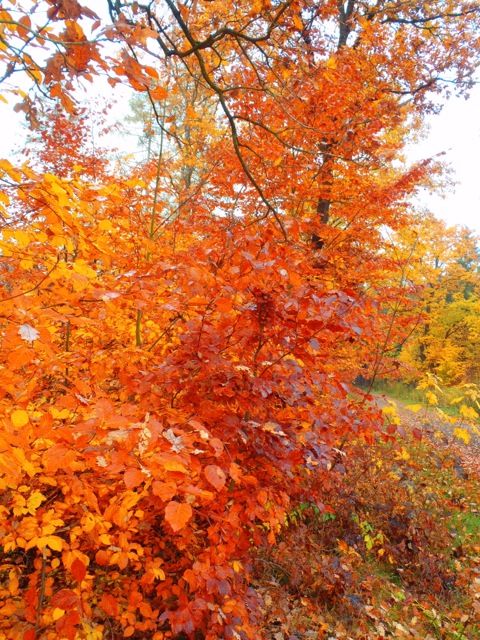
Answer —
178 343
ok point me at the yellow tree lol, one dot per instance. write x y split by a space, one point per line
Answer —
444 266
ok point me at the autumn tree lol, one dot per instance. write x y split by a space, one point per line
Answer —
444 266
172 386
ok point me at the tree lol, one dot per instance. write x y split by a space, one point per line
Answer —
176 384
444 267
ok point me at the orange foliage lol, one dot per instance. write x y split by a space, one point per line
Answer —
177 360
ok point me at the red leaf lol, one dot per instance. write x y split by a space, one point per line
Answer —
178 514
29 634
64 599
109 605
66 625
215 476
132 478
78 570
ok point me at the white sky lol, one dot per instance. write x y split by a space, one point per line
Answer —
455 131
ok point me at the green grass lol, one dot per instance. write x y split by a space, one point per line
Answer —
466 527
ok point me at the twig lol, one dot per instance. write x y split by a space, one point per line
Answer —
42 588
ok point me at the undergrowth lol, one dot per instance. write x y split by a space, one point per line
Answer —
397 556
447 398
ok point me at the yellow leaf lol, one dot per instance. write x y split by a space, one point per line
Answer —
414 407
171 465
19 418
58 242
105 225
462 434
468 412
88 522
54 542
135 182
402 454
331 63
60 415
81 267
22 238
10 171
431 398
34 501
57 613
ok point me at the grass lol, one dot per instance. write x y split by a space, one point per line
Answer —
466 528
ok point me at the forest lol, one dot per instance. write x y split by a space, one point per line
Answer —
239 363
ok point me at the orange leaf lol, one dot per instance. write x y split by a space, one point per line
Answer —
224 305
132 478
215 476
262 497
198 300
217 445
159 93
164 490
177 514
235 472
102 557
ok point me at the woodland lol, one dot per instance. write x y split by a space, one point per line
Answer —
193 338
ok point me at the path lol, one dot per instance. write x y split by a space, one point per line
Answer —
467 456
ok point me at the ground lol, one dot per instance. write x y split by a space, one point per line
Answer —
399 557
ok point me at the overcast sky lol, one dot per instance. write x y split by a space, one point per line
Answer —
455 131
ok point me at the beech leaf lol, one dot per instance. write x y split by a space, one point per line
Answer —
109 605
215 476
28 333
64 599
177 514
78 570
19 418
